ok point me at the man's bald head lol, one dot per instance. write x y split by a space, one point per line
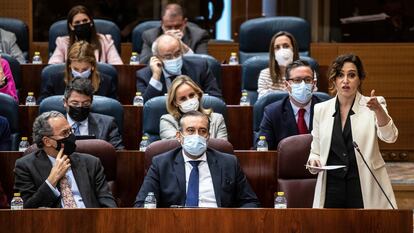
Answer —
166 43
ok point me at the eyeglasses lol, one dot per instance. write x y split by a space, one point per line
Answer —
64 134
192 131
76 104
298 80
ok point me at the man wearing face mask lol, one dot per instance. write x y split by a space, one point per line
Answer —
167 63
293 114
56 176
196 176
77 102
173 22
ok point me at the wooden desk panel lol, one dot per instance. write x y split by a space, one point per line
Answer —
240 126
31 80
127 82
132 131
206 220
231 82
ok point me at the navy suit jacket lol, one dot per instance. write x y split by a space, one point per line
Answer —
196 69
104 127
56 86
166 178
279 122
194 37
32 170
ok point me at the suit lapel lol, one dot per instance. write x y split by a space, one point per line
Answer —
43 164
355 120
289 119
179 169
93 128
187 37
215 171
326 126
81 177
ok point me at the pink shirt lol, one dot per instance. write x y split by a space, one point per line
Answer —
10 88
109 53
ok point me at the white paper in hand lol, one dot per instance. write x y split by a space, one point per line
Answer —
323 168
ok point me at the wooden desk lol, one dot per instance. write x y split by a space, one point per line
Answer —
31 80
206 220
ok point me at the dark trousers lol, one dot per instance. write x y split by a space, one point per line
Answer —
343 192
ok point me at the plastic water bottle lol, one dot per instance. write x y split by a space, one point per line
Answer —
134 59
280 201
144 143
17 202
36 58
138 99
233 60
24 144
30 99
150 201
245 100
262 144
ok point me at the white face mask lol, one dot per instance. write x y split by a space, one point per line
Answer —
84 74
189 105
284 56
173 66
301 92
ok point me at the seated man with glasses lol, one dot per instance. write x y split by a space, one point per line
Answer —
167 63
193 175
293 114
55 176
77 102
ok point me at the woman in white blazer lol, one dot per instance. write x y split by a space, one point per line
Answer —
184 96
337 123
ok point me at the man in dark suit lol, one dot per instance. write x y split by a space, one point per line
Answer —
55 176
194 175
5 141
193 38
77 102
293 114
169 62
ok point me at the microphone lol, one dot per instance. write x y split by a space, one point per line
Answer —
375 178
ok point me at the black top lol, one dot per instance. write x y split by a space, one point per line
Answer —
342 151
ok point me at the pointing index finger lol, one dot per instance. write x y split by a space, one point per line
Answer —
373 93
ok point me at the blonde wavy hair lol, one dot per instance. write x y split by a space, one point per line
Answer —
82 51
172 107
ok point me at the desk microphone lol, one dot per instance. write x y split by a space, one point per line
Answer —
366 164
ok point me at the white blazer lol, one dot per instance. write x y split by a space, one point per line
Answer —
364 132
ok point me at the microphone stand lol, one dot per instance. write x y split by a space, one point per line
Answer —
375 178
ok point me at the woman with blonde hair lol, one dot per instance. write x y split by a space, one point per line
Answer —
184 96
81 63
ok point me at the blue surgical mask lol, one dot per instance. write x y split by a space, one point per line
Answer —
84 74
173 66
301 92
195 145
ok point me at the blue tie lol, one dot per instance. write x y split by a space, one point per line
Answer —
192 189
75 128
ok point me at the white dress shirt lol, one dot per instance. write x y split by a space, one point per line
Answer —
73 186
83 127
307 112
206 195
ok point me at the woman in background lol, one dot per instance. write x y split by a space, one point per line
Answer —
81 63
185 96
338 123
283 50
81 27
7 85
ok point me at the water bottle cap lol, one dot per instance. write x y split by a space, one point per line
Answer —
134 53
138 93
16 194
144 137
150 193
262 137
244 94
233 53
30 93
37 53
280 193
24 138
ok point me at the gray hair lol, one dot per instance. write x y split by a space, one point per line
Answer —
41 126
154 46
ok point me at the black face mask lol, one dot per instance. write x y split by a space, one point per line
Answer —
79 113
83 31
69 144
